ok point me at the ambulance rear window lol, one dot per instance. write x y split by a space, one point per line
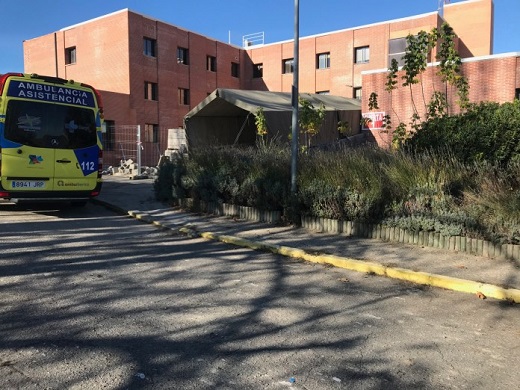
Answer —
48 125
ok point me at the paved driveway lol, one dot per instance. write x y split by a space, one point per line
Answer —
90 299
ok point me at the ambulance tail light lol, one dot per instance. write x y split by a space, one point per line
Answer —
4 77
3 194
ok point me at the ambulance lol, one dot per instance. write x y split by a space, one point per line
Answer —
50 139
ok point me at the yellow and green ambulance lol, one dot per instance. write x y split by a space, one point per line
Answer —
50 139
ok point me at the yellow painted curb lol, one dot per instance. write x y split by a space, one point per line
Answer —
446 282
434 280
141 216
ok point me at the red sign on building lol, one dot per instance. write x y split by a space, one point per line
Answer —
373 120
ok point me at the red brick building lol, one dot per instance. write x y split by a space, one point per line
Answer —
151 73
494 78
333 62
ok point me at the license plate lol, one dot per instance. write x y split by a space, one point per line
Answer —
27 184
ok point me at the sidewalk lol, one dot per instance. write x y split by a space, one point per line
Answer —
493 278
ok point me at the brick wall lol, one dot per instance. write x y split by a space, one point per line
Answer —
344 74
492 78
39 55
473 23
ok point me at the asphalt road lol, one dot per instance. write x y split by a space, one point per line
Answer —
94 300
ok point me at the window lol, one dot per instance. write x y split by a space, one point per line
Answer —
258 71
184 97
362 55
211 63
517 93
183 56
288 65
358 93
323 92
108 135
150 91
42 125
235 69
323 61
396 50
150 47
151 133
70 55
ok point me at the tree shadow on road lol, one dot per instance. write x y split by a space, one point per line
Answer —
125 306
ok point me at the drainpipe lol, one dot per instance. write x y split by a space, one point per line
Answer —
56 54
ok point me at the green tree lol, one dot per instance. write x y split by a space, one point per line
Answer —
260 122
419 50
310 119
261 127
450 63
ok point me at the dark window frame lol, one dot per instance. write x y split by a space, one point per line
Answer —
258 71
151 91
362 54
183 56
235 69
184 96
211 63
288 65
323 60
70 55
150 47
151 133
397 50
355 94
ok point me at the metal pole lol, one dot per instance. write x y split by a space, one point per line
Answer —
139 150
294 149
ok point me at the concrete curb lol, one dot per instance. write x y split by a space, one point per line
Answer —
424 278
482 290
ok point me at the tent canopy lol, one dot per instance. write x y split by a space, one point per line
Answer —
227 116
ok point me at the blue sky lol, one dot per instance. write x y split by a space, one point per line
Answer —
222 19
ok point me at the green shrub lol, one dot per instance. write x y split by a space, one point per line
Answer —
487 132
347 184
419 191
320 199
164 183
495 201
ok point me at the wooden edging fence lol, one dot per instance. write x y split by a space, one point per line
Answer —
376 231
421 238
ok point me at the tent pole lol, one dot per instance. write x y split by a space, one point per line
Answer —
241 129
